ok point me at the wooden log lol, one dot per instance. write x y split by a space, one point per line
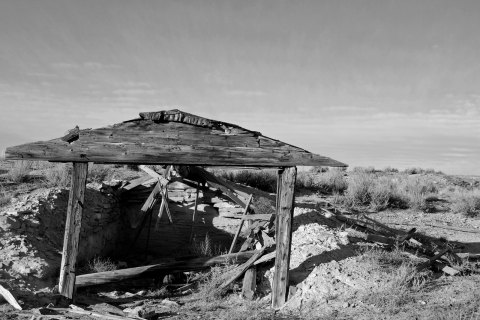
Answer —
9 298
249 283
73 225
240 226
93 279
380 239
283 230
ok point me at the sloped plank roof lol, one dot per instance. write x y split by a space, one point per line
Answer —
170 137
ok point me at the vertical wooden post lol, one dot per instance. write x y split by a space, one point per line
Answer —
283 230
72 229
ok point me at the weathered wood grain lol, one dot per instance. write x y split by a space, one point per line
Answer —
148 142
239 229
283 230
249 284
72 230
98 278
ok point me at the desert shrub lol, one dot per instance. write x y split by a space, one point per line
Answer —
364 169
19 172
414 170
416 190
5 198
100 172
133 167
379 192
58 175
466 203
332 181
99 264
401 282
260 179
319 169
213 279
390 170
359 188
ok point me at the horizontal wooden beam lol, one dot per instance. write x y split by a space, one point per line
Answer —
98 278
148 142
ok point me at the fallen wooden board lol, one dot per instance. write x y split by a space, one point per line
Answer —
9 298
239 229
265 258
261 217
154 174
98 278
237 273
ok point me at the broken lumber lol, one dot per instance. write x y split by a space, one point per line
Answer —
245 211
261 217
154 174
265 258
237 273
9 298
98 278
249 284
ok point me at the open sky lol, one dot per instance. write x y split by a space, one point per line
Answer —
370 83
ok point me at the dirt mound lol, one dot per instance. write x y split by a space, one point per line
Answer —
32 230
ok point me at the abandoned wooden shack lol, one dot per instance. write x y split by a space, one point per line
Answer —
184 143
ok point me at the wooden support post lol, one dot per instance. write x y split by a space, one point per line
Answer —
72 229
283 230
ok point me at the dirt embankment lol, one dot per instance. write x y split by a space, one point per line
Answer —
32 230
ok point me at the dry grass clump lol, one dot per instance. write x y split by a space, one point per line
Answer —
402 283
100 172
5 198
213 279
20 171
205 247
58 175
99 264
466 203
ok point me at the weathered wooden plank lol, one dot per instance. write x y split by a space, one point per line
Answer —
92 279
240 270
153 153
154 174
283 230
240 225
9 298
261 217
249 283
72 229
